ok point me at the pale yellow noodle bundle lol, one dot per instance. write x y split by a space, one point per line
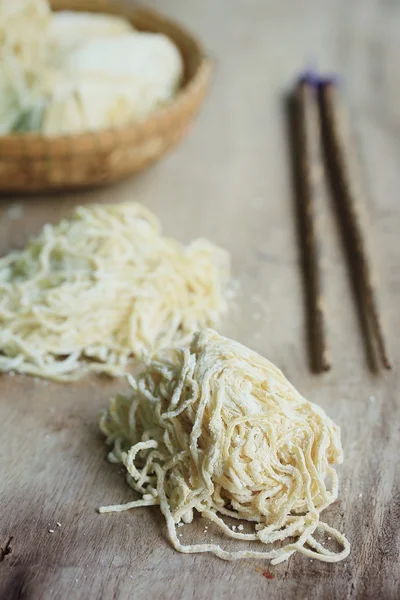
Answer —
105 285
219 430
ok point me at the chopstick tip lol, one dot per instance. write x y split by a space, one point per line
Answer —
326 363
387 364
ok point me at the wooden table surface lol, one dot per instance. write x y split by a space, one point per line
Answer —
229 181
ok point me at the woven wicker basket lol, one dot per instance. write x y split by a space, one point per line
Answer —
31 162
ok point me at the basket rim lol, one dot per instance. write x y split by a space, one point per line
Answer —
108 137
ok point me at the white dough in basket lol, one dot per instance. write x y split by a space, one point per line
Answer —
105 83
70 29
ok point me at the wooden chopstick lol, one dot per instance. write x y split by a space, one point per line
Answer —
351 208
309 167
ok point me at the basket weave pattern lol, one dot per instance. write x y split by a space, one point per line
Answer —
33 162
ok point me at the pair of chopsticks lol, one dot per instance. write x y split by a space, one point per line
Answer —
320 131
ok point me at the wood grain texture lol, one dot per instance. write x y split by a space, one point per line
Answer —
230 181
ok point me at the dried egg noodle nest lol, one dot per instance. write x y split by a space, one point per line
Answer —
218 429
92 291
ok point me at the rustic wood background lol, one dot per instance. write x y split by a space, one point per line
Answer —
230 181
